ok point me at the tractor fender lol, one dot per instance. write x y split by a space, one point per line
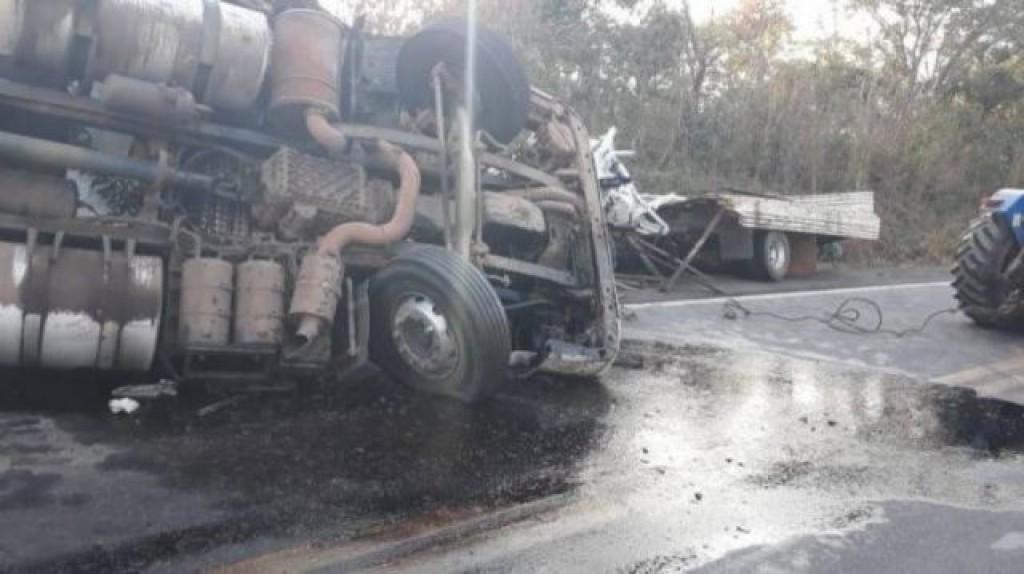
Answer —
1007 207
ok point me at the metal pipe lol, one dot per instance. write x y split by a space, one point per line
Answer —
550 194
50 154
336 240
324 133
442 139
559 207
466 209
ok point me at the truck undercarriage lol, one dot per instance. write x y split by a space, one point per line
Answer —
235 198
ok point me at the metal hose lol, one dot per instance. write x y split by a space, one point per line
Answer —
320 129
313 316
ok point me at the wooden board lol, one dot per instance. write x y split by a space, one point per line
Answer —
850 215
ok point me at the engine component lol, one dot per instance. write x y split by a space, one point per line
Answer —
206 288
69 308
36 195
337 191
259 303
317 289
218 50
220 215
305 67
164 104
333 243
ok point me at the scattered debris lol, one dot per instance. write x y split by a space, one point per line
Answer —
124 406
221 405
163 389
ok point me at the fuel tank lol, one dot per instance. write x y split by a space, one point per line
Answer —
218 50
68 308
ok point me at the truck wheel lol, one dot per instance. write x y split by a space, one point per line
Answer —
772 255
438 326
982 290
503 89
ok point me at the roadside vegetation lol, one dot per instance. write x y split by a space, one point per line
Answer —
921 101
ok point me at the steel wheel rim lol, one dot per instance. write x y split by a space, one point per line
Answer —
777 257
424 338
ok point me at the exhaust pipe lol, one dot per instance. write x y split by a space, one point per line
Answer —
318 287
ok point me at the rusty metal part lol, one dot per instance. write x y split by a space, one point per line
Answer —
575 360
205 311
558 207
306 196
305 67
259 303
46 153
54 41
320 129
551 194
69 308
607 333
242 58
559 139
36 195
315 300
170 105
513 212
334 242
163 42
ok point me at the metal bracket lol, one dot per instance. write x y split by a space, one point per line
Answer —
687 264
210 48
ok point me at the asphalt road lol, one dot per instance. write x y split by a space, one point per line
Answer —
744 444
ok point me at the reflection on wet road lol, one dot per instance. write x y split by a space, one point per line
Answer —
674 465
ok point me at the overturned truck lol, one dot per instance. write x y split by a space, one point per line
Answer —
239 195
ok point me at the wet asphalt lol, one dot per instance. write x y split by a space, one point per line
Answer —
751 456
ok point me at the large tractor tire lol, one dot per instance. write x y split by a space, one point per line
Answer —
438 326
984 293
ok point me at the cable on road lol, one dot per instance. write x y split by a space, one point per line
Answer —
854 316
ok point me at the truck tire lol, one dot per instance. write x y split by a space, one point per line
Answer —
503 88
772 255
438 326
984 293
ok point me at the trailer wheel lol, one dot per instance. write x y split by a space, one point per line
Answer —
984 293
438 326
772 255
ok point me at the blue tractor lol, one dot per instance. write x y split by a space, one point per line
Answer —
989 270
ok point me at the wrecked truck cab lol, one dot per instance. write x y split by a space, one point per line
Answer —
256 197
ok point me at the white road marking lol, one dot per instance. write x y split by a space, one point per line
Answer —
988 378
789 295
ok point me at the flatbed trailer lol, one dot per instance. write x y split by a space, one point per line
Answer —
771 236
